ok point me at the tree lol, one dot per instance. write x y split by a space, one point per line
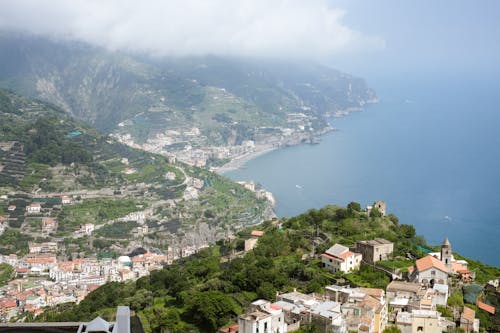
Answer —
375 212
354 206
210 309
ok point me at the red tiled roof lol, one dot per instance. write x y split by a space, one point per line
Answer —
429 262
486 307
346 255
257 233
468 314
329 256
275 307
7 303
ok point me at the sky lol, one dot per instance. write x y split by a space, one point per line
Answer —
363 37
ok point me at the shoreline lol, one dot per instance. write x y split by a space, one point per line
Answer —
238 162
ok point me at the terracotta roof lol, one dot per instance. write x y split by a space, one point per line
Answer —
486 307
329 256
375 292
275 307
257 233
468 314
371 302
346 255
429 262
7 303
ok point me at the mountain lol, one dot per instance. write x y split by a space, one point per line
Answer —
46 153
229 100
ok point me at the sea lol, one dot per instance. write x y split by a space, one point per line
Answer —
430 149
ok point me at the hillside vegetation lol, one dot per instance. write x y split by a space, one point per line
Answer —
207 291
45 152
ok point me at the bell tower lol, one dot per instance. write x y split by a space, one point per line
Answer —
446 253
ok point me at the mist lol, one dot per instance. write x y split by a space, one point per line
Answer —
256 28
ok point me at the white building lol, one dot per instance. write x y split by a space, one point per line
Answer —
264 317
428 271
34 208
340 258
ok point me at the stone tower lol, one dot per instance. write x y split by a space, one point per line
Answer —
446 253
380 205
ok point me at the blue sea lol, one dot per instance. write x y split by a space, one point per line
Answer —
430 149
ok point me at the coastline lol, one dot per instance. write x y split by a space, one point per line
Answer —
240 161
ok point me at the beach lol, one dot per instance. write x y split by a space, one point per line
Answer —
240 161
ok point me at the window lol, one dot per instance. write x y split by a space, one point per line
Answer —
433 272
420 329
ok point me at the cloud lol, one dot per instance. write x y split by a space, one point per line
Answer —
276 28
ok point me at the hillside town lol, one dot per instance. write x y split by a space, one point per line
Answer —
40 279
411 302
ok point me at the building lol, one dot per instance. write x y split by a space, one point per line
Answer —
426 321
428 270
34 208
49 224
263 317
87 228
375 250
340 258
252 241
45 247
66 200
468 320
301 309
446 254
379 205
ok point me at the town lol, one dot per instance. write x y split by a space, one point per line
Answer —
414 300
410 303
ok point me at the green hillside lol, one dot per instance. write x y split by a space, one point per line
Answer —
209 290
45 152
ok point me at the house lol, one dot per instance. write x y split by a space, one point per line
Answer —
7 307
263 317
425 321
375 250
87 228
48 224
301 309
11 208
428 271
252 241
34 208
403 289
45 247
66 200
340 258
468 320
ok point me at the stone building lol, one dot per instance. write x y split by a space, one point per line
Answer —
375 249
